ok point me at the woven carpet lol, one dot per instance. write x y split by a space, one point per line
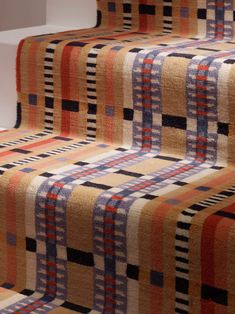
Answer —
117 185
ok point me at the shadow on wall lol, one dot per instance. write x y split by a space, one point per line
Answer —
21 13
71 13
26 13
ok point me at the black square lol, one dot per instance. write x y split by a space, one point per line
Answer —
84 143
128 114
70 105
81 163
33 99
223 128
202 14
31 245
99 46
130 173
168 158
181 55
149 197
181 238
167 10
20 151
217 295
62 138
43 155
49 102
182 285
92 109
203 188
229 61
147 9
46 175
56 41
174 122
76 44
132 272
7 285
197 207
120 149
80 257
41 134
179 183
97 186
75 307
135 50
111 6
183 225
8 166
127 8
27 292
156 278
217 168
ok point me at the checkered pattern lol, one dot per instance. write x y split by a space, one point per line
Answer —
117 185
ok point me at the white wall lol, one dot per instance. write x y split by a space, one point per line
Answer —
22 13
61 14
8 47
74 13
26 13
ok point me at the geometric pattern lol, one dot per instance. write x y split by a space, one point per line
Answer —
117 184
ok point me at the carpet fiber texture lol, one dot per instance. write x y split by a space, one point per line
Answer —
117 185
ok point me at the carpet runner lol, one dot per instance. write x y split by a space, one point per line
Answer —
117 185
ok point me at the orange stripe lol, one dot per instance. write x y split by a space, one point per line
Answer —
18 65
37 144
32 69
109 97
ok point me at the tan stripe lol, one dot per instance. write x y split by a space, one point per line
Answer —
144 235
231 99
174 76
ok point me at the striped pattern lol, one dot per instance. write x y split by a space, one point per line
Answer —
117 184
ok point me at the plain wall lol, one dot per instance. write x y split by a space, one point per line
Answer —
72 13
26 13
56 14
22 13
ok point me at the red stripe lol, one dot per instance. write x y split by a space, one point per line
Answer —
203 67
148 61
40 143
8 153
18 65
208 257
52 196
65 72
207 249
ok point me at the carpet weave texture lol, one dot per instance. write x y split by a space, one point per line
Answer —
117 184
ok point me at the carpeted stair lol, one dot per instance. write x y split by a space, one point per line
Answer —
117 185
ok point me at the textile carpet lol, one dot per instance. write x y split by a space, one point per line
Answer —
117 184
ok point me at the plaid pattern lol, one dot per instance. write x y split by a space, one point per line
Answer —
117 185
